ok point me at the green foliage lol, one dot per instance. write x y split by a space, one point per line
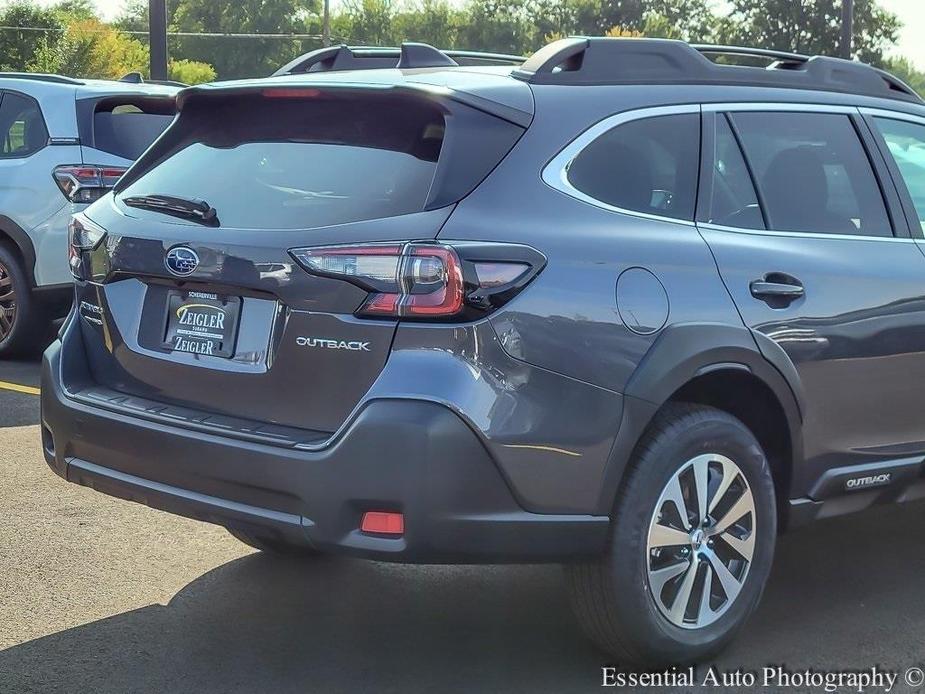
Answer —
809 26
18 48
239 57
907 72
90 48
191 72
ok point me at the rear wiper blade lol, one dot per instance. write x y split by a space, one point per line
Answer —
188 208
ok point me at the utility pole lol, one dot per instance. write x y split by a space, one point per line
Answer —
157 37
326 25
847 28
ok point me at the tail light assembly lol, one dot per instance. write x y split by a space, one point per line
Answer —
86 183
427 280
83 237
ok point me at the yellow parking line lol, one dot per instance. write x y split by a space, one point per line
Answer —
16 388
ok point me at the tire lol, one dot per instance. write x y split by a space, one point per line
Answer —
24 322
632 613
277 547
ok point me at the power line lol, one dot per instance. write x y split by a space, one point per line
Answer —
180 34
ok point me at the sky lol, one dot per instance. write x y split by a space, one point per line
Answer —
911 12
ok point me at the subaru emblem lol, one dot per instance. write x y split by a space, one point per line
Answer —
182 261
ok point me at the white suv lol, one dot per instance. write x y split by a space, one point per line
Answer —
63 144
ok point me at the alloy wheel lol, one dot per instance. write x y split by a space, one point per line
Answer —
7 302
701 541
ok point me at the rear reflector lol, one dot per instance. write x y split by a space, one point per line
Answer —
383 523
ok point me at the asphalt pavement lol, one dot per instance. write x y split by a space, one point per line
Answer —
102 595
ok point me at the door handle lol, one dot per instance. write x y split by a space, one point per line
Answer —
777 289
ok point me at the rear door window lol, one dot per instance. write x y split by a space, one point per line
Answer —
813 173
22 127
906 142
734 201
281 163
648 165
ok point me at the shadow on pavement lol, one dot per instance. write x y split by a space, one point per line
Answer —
844 594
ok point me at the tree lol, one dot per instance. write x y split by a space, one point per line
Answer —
239 57
90 48
907 72
18 47
809 26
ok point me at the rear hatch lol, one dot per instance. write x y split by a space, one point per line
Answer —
196 299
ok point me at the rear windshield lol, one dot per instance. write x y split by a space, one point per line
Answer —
298 163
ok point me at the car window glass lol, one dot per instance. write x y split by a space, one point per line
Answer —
813 173
906 142
648 165
21 126
734 202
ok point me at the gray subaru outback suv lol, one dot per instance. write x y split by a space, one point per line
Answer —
621 307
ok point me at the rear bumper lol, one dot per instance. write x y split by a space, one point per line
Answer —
405 455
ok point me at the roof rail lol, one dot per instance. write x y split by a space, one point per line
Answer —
39 77
409 55
583 60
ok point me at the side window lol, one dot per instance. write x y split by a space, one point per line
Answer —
906 142
22 128
734 202
813 173
648 165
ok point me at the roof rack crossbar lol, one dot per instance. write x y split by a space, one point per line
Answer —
408 55
603 61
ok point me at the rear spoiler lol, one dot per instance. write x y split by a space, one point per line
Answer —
418 90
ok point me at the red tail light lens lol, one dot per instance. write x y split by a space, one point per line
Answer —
83 183
426 280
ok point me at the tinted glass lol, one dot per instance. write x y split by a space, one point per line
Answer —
813 173
21 126
734 202
906 142
127 130
647 165
298 164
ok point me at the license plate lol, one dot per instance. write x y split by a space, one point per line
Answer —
202 323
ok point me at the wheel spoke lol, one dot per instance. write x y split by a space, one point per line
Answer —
744 547
663 536
730 473
681 600
730 583
659 577
741 507
704 611
702 482
673 494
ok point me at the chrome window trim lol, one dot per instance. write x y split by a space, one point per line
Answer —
803 234
893 115
555 173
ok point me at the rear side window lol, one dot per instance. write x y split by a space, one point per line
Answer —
127 130
734 202
813 173
21 126
648 165
297 163
906 142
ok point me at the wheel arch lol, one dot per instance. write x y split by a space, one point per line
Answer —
19 241
713 364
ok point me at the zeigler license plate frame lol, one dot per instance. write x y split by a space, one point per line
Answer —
202 323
